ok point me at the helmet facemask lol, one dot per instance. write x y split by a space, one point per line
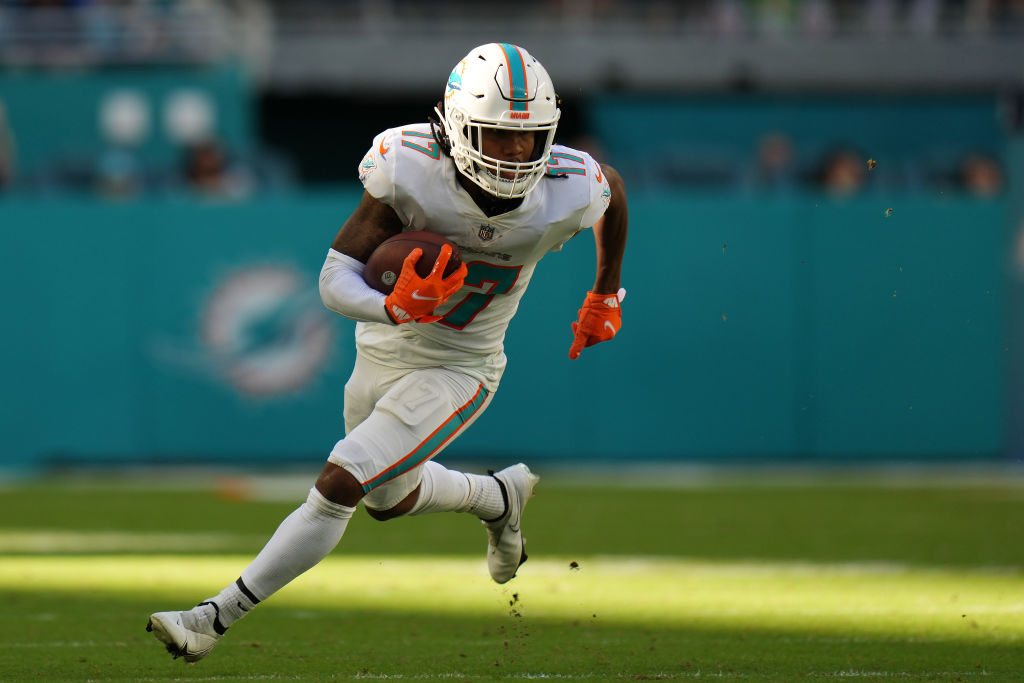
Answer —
499 87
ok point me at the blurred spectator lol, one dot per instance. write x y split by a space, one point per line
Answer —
923 18
6 150
728 18
119 174
1009 17
843 172
774 17
817 19
980 175
978 16
879 18
124 122
774 167
208 172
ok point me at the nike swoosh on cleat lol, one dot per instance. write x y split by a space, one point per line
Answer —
416 295
610 326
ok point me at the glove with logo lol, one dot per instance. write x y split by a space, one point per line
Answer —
598 321
415 297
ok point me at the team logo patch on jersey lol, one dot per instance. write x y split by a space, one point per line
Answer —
367 166
485 233
606 197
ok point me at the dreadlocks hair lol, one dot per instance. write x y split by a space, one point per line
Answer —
437 129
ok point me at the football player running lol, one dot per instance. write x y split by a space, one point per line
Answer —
486 175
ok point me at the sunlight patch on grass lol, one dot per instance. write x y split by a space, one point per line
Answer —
848 600
60 541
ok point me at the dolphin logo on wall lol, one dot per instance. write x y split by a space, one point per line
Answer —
262 330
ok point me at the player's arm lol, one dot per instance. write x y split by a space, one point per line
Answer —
342 288
371 223
344 291
610 236
600 317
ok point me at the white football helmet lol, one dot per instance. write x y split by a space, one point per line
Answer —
501 86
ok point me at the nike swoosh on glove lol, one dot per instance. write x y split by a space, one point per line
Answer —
414 298
599 320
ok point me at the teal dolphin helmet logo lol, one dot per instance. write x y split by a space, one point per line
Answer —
455 81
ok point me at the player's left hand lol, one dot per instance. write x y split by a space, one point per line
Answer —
599 320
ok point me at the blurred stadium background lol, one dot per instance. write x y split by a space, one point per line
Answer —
824 267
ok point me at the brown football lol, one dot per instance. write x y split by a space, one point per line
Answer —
385 263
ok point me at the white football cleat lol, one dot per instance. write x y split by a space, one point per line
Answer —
505 547
188 634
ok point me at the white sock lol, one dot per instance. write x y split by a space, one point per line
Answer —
304 538
445 490
230 605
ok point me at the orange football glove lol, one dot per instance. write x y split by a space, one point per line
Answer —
599 320
415 297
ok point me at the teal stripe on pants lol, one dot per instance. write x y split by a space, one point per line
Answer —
434 442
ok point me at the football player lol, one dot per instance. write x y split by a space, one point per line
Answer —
485 174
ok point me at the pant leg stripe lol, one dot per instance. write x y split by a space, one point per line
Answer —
448 430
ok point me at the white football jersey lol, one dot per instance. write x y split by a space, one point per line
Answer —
406 170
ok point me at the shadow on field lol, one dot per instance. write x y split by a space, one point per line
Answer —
55 635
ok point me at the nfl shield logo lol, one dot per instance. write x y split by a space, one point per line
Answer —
486 232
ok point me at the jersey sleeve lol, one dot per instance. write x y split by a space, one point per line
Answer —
600 193
378 171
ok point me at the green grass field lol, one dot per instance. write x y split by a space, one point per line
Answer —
752 578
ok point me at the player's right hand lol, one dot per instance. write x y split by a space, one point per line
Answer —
599 319
414 298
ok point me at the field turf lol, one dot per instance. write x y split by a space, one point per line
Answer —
749 578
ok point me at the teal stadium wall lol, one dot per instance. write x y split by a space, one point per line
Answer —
799 328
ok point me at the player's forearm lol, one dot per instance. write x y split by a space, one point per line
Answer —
343 290
610 237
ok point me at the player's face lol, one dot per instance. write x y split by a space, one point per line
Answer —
507 145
